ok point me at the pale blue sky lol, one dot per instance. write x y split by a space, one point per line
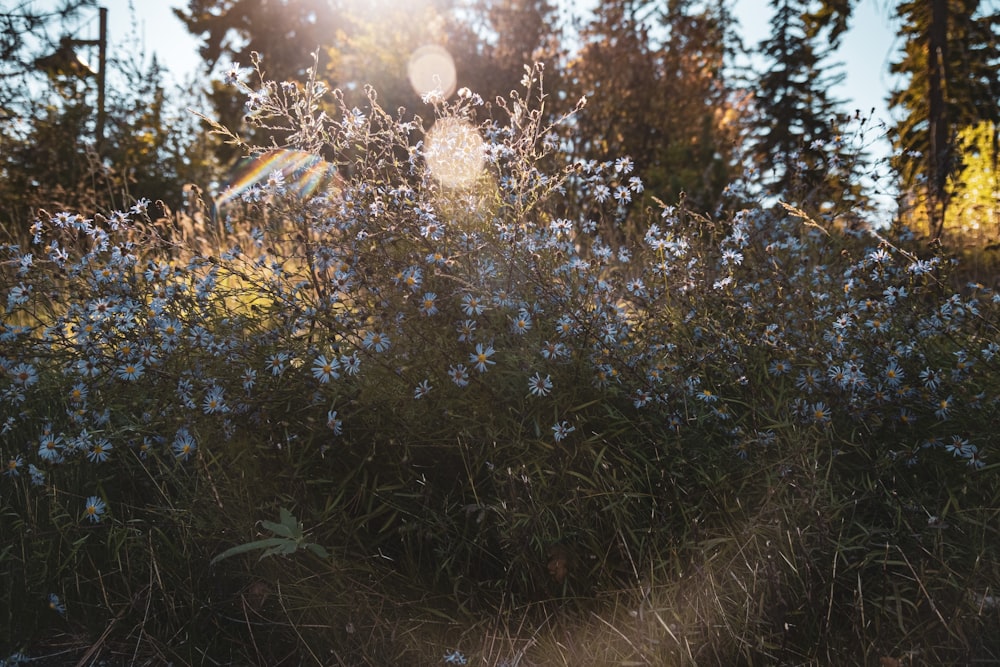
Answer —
866 51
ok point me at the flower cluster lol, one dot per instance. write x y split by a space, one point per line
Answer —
435 294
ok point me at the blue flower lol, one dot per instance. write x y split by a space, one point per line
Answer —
249 378
184 445
94 508
877 324
214 402
522 323
377 341
459 375
334 423
14 659
276 362
642 398
565 326
130 371
232 75
144 447
779 367
943 408
412 278
18 295
931 378
561 429
539 386
480 359
957 445
623 165
24 375
636 287
706 396
466 331
37 475
50 447
432 230
56 605
472 306
325 369
808 380
820 413
351 363
838 376
973 457
12 469
552 351
893 374
184 390
99 451
623 195
428 305
436 258
422 389
170 328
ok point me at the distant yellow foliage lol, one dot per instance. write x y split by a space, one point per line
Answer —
974 214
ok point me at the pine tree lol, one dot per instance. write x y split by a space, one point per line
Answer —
26 33
654 78
505 36
48 147
950 63
796 143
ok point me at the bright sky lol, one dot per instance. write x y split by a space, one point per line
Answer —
866 50
159 32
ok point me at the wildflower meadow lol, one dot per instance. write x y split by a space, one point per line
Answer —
424 391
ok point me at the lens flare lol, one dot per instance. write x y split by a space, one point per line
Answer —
430 69
301 173
454 152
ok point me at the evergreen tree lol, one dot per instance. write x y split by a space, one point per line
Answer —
795 142
654 78
833 16
949 65
49 157
26 34
506 35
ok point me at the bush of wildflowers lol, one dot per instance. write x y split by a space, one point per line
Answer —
410 340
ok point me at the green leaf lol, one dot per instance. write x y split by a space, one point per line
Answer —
250 546
319 551
287 518
288 539
287 547
280 529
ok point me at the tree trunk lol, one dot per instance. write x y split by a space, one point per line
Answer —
939 158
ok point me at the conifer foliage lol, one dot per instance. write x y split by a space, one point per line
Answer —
796 143
949 66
